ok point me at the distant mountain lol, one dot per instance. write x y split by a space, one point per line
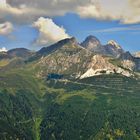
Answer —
14 58
17 52
111 49
126 56
69 58
130 62
93 44
72 60
20 52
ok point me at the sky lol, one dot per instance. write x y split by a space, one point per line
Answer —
33 24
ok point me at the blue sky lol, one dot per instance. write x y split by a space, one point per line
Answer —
32 24
24 35
80 28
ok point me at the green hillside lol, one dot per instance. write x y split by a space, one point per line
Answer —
35 109
43 97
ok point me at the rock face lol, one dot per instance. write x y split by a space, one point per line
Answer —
67 57
126 56
137 62
91 43
91 72
130 62
111 49
101 65
50 49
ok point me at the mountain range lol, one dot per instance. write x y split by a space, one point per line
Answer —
70 91
72 59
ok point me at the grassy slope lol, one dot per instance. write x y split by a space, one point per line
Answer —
93 112
94 108
20 94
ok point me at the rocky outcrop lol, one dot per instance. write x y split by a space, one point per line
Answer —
93 44
67 57
101 65
111 49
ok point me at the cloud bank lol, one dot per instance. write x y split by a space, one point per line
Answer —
126 11
49 32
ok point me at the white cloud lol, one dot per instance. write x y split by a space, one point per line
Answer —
127 11
6 28
49 32
3 49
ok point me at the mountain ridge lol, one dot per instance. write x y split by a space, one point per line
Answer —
70 93
69 57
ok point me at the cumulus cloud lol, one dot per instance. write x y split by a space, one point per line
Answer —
3 49
49 32
6 28
127 11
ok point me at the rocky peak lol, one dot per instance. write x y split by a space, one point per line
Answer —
73 40
126 56
49 49
91 43
90 40
113 43
66 41
114 49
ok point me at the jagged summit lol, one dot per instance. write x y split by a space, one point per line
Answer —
68 57
113 48
126 56
114 43
92 38
49 49
92 43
